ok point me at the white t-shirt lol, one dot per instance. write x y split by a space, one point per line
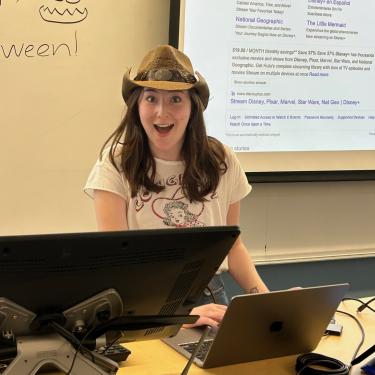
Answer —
170 208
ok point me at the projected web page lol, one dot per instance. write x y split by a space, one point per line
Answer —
286 75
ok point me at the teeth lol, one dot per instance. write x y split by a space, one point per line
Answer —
163 125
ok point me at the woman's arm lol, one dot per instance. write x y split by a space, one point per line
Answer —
241 266
110 211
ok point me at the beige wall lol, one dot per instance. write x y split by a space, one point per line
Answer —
300 221
57 110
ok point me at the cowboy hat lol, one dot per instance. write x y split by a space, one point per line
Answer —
166 68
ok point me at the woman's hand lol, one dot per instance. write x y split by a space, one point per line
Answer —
211 314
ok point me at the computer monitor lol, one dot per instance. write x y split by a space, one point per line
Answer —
98 276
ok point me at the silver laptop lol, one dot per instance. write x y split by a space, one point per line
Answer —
265 325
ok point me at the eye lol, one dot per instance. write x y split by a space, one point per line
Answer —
150 98
176 99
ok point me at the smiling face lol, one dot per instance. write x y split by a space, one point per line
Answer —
63 11
177 216
164 116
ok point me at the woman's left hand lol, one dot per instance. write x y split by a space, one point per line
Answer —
211 314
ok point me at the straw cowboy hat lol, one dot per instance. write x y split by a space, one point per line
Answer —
166 68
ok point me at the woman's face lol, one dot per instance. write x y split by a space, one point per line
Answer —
164 116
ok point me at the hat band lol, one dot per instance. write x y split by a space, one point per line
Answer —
164 74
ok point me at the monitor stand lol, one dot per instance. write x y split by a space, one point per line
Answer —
33 350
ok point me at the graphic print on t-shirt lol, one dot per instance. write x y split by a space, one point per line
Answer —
170 206
177 213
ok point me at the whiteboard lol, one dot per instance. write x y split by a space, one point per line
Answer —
61 68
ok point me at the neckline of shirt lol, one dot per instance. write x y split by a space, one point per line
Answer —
169 162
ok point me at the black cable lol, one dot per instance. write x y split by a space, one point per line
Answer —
366 304
196 350
211 294
201 340
364 355
78 344
306 362
363 304
70 337
140 322
361 329
79 348
315 364
108 346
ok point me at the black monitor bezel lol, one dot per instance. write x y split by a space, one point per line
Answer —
152 269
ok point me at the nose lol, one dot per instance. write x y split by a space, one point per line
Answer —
162 109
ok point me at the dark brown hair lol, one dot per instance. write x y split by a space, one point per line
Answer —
203 155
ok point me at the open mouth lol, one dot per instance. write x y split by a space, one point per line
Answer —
163 128
62 16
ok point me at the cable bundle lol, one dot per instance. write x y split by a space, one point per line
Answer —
317 364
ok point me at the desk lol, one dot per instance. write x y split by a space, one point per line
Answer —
155 357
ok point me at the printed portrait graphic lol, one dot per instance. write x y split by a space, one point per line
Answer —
175 211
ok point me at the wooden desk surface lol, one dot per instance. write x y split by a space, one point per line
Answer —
155 357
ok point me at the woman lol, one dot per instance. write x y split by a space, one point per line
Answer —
160 169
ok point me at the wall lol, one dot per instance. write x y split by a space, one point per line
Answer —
308 234
301 221
358 272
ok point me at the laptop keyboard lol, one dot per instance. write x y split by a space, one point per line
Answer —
203 350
